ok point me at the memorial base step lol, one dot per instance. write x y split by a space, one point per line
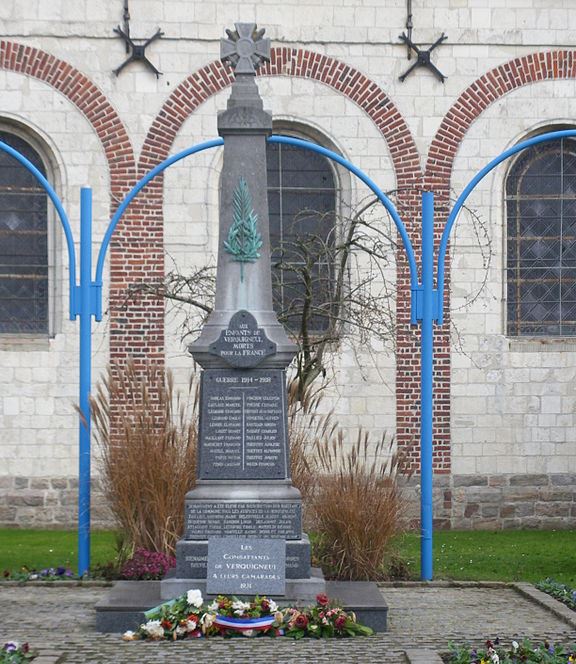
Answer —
123 608
297 590
192 558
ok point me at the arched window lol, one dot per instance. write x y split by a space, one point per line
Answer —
541 241
24 298
302 198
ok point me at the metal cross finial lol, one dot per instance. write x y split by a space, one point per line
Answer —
138 50
245 49
423 57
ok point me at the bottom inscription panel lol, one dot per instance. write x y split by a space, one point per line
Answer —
263 519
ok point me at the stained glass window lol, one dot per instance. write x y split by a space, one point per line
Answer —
23 243
302 205
541 241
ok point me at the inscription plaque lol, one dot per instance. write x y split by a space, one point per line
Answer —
243 424
243 344
246 566
260 519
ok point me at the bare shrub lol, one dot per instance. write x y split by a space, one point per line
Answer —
149 463
357 506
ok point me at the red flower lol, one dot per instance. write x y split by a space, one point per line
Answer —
301 621
265 605
322 599
340 622
166 624
25 648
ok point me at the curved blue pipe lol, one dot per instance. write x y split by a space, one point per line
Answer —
542 138
289 140
137 188
59 209
386 202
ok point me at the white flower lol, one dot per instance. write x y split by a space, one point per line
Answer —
248 632
273 606
154 629
194 598
129 636
239 607
213 606
207 621
180 630
191 625
495 659
515 645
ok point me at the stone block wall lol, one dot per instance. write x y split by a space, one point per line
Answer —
514 501
42 502
461 502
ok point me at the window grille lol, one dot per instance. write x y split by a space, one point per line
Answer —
23 243
302 207
541 241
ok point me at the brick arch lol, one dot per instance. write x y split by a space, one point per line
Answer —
468 107
485 90
367 95
76 87
133 256
343 78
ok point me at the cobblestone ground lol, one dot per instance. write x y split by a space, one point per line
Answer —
422 617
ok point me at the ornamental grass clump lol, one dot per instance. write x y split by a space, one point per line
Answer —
306 425
357 506
147 443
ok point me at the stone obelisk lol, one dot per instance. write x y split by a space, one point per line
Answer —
243 485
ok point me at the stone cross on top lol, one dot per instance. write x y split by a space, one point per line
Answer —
245 49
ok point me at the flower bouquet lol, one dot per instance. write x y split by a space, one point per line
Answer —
188 617
325 620
247 618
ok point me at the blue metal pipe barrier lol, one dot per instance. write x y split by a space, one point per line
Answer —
85 301
482 173
426 386
85 380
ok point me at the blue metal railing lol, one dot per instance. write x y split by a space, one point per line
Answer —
86 301
541 138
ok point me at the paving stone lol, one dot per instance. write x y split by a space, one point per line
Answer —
421 617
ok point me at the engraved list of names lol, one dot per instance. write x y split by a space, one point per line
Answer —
243 424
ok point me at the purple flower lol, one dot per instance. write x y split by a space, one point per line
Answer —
11 646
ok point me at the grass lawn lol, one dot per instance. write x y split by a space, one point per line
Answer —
463 555
50 548
505 555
